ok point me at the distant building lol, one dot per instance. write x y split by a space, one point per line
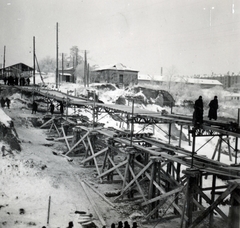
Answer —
116 74
227 80
164 80
67 75
16 70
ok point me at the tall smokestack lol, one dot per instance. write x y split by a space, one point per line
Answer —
161 71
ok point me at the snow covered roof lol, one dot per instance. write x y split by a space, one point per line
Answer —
178 79
19 66
66 74
118 66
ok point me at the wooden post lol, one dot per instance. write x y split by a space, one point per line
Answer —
49 205
169 133
211 218
193 145
234 211
180 136
192 175
152 188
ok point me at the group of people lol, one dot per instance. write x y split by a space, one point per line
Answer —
51 107
5 102
14 81
123 225
198 110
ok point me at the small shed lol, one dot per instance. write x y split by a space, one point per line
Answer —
117 74
67 75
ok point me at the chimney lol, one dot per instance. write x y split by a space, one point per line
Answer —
161 71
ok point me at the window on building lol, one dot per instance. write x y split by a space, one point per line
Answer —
120 78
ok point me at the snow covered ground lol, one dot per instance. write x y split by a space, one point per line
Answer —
34 178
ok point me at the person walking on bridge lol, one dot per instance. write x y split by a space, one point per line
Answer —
198 111
52 108
213 107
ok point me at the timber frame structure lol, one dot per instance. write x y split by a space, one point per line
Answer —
166 180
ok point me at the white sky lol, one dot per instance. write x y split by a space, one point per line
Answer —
143 35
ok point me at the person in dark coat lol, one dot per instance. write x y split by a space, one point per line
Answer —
70 225
198 111
28 81
120 224
126 224
34 107
5 80
8 102
2 102
134 225
213 107
61 107
52 108
113 225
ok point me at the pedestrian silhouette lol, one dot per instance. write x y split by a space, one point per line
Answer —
120 224
2 102
52 108
8 102
213 107
34 107
126 225
198 111
70 225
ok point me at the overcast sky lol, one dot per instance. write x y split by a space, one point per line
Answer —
193 36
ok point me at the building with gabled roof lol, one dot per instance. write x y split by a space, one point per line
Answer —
117 74
17 70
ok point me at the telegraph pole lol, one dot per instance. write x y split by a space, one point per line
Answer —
4 56
34 61
57 56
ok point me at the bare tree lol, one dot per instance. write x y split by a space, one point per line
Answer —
47 64
75 57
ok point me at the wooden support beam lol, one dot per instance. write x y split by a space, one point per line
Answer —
213 206
92 151
49 121
116 168
137 183
94 155
113 168
78 142
133 180
179 189
64 136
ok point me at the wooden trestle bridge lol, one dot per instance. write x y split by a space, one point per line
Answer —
167 181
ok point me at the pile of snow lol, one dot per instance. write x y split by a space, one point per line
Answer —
5 120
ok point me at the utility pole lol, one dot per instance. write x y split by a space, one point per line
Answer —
4 57
85 68
57 76
34 61
62 65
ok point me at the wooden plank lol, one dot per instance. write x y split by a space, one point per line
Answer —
93 204
99 193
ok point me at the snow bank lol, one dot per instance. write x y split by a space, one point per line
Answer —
5 120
